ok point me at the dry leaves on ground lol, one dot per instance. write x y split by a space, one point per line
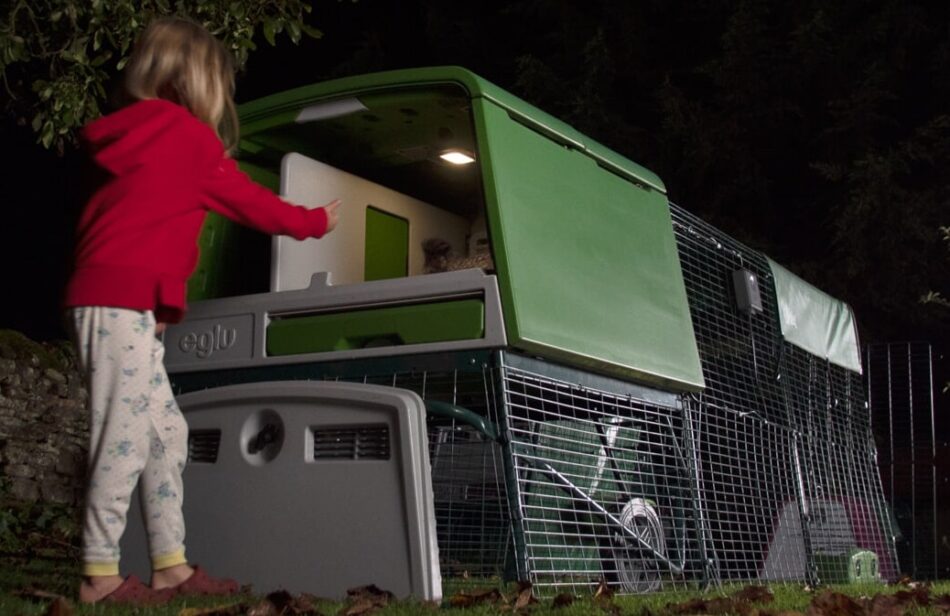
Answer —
742 603
520 601
365 600
476 597
280 603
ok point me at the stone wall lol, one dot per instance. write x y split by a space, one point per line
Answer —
43 421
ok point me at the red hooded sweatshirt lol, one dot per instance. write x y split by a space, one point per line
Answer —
137 240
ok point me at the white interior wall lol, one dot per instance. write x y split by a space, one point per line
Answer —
341 253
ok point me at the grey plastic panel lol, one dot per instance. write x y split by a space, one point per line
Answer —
230 332
283 515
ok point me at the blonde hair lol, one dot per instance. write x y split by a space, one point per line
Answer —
178 60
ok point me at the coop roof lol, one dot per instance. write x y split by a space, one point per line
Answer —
270 111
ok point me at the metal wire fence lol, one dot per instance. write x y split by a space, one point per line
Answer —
900 383
816 504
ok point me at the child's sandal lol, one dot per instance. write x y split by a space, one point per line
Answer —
200 583
133 592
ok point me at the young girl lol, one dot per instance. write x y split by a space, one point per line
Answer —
165 157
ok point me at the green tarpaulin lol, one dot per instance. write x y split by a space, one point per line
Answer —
814 321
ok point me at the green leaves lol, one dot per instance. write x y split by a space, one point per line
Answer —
59 58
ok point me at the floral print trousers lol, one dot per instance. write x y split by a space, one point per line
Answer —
137 436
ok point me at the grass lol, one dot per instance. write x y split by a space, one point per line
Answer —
39 561
54 574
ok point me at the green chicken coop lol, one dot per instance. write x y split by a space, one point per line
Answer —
612 389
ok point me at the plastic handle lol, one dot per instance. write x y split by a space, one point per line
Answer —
458 413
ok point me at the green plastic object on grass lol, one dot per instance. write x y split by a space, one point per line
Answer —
855 566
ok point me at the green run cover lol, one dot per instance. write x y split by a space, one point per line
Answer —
814 321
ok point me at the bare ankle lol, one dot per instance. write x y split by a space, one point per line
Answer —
95 587
171 577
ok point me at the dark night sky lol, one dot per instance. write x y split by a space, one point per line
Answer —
724 100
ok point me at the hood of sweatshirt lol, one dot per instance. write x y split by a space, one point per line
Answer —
120 141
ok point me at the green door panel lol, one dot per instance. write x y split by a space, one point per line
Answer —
394 326
587 261
387 246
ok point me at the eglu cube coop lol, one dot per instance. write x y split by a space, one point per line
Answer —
613 390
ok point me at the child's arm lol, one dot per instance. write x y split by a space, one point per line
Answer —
231 193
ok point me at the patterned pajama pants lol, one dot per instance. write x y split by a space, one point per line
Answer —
137 436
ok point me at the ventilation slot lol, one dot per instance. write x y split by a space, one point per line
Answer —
351 443
203 446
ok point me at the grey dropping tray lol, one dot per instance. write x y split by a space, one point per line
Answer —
232 332
306 486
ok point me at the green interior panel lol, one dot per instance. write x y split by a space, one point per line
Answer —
397 325
223 244
587 260
387 245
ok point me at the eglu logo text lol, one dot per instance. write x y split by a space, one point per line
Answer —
204 344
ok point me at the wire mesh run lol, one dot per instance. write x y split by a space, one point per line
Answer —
473 526
788 482
603 487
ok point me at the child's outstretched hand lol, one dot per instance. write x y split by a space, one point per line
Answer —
332 216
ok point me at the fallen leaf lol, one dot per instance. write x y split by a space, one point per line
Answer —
754 594
366 599
563 600
361 606
466 599
884 605
941 603
289 605
918 593
60 607
834 604
305 605
34 594
370 591
603 591
525 598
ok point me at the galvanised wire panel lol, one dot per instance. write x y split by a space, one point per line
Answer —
603 487
468 482
812 499
740 353
839 462
748 491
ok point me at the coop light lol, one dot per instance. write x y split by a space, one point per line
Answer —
457 157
